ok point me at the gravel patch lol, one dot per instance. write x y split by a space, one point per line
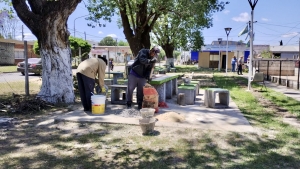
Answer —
129 113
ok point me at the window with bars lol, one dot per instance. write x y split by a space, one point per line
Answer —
214 57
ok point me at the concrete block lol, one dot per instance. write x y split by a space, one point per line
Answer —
194 85
210 98
198 85
189 93
175 86
161 90
116 93
169 89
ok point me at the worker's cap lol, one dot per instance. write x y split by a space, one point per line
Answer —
156 50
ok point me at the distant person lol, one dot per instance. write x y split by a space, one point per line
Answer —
240 64
233 63
87 71
140 73
111 64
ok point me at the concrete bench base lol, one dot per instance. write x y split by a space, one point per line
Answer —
210 98
189 93
116 92
108 82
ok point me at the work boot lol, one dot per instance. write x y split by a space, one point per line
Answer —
128 105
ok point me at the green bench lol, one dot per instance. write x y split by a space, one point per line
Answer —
165 85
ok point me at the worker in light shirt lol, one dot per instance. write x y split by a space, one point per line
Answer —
87 72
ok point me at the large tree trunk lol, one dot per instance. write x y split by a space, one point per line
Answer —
169 49
48 22
138 42
57 84
139 37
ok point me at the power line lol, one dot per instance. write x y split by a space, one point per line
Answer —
279 25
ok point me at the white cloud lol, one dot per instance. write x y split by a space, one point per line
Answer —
100 32
243 17
112 35
265 19
226 11
288 35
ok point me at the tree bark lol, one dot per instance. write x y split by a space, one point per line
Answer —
138 37
48 22
169 49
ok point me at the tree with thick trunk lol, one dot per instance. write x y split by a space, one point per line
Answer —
47 20
138 17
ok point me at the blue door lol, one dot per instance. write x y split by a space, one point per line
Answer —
194 56
246 55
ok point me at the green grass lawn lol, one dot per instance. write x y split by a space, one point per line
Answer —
18 87
8 69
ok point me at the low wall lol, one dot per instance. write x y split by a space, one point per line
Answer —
283 81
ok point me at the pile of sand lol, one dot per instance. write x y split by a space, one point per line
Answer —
171 117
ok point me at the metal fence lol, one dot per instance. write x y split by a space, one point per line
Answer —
281 71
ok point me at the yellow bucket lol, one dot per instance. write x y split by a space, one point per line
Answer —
98 104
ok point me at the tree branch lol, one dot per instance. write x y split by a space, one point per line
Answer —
131 16
25 14
36 6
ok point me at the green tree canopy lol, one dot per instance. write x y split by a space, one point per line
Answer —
108 41
123 43
138 17
182 27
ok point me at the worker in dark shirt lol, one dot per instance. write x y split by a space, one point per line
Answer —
140 74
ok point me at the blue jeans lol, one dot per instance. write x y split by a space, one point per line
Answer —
233 67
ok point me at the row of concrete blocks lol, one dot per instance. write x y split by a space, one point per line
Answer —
165 91
188 94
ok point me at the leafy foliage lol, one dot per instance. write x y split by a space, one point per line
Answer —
123 43
266 54
138 17
107 41
182 27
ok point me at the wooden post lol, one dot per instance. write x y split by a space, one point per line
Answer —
181 99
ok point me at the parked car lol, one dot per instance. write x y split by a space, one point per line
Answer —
34 66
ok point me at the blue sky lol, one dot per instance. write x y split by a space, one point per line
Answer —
276 20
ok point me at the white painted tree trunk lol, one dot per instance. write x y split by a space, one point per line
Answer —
57 79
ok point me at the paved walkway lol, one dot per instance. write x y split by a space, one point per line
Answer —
196 116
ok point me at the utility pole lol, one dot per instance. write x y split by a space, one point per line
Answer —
26 68
22 34
250 69
298 66
116 48
84 36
